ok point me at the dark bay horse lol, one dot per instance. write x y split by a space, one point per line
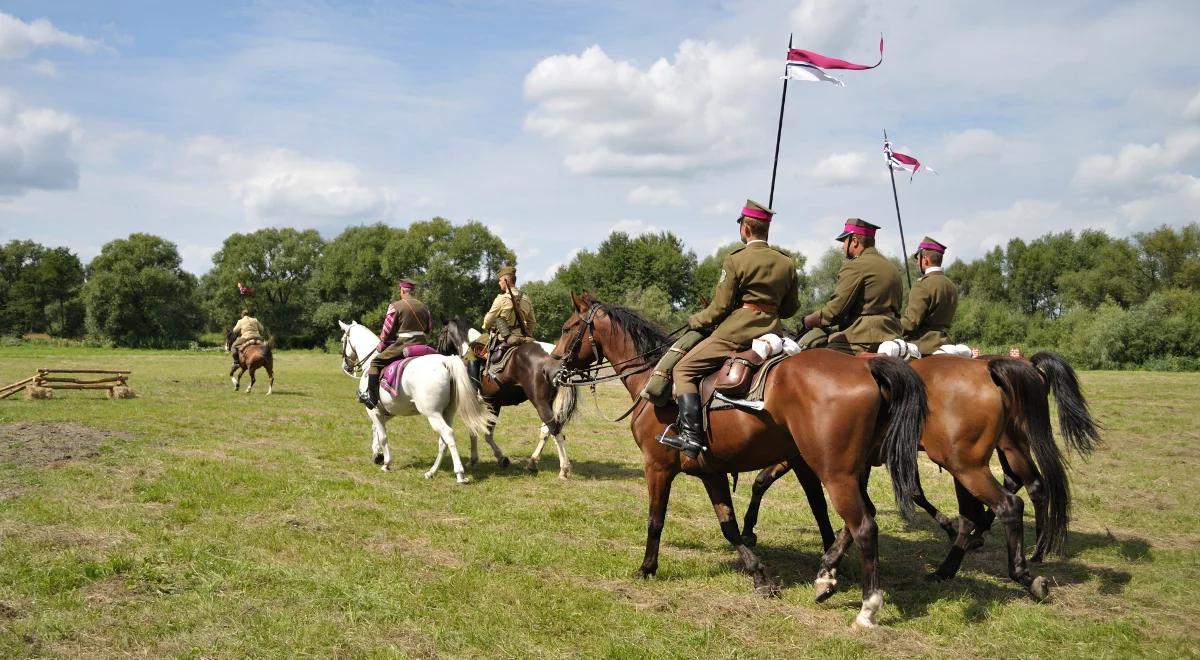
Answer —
528 376
977 407
252 357
841 413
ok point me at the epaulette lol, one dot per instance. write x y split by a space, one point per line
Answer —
737 250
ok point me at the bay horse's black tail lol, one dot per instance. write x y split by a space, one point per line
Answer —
269 346
1074 417
906 408
1029 416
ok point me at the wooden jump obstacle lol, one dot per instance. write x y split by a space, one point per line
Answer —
42 384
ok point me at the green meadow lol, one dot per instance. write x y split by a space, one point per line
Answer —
194 521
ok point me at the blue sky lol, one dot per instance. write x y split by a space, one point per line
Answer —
557 122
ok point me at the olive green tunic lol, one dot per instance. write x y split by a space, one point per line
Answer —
756 274
866 302
931 306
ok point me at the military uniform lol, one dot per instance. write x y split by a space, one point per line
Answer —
406 323
931 304
865 304
502 317
247 329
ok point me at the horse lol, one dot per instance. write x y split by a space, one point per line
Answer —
528 376
252 357
977 407
435 386
841 413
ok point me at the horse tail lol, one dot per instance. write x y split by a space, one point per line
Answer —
564 405
269 347
476 415
904 394
1074 418
1029 415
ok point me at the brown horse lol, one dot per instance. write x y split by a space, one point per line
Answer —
977 407
528 376
252 357
840 413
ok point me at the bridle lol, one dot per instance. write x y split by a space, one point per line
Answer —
349 366
590 375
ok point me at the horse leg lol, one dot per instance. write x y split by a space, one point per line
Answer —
270 377
717 486
949 526
762 482
846 494
970 517
437 461
1009 509
532 466
658 485
1020 470
234 380
490 438
251 385
447 435
816 500
380 451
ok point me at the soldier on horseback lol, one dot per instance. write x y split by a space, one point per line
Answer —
510 321
406 323
247 330
866 301
932 301
757 287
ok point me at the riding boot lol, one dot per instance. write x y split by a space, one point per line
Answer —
237 360
475 371
370 398
691 439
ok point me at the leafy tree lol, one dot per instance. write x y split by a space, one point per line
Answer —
137 295
1171 258
622 265
61 274
39 289
352 280
551 304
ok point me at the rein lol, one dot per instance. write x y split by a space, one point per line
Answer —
347 368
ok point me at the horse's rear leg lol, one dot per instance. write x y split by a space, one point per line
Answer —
251 385
718 492
1020 470
270 378
970 516
1009 509
490 438
846 494
658 485
949 526
446 435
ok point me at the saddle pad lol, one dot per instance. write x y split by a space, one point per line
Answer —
758 386
418 350
389 379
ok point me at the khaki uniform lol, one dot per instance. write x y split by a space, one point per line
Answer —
502 317
247 329
758 287
931 306
407 322
865 304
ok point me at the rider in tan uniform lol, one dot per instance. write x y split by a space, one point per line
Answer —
866 302
932 301
509 322
247 330
407 322
757 287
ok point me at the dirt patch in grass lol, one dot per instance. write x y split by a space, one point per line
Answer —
41 444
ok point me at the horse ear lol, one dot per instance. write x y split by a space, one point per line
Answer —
580 305
589 298
344 326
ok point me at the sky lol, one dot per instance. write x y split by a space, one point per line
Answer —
557 122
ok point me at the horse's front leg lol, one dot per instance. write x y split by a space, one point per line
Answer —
658 485
251 385
717 486
235 379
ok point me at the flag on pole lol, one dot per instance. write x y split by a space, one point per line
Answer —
245 290
809 66
904 162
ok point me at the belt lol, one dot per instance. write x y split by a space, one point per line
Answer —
761 307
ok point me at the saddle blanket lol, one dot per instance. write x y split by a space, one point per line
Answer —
389 379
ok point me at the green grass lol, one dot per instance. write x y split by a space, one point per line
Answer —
221 524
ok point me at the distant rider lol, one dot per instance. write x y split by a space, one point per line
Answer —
247 330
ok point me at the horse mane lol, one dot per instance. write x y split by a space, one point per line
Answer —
648 337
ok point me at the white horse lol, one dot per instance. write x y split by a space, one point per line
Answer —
432 385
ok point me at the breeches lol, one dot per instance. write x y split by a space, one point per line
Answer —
390 354
705 358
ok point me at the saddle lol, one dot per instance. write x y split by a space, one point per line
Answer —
389 378
743 377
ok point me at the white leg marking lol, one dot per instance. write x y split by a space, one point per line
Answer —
560 443
868 617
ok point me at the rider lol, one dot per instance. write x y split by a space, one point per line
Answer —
247 329
932 301
510 319
757 287
407 322
866 302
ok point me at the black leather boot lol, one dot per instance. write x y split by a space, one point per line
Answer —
237 360
690 439
475 371
370 398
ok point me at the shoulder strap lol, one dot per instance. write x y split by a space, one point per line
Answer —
428 319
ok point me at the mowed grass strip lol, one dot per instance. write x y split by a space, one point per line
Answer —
211 523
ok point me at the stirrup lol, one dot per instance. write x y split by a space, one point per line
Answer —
682 443
365 399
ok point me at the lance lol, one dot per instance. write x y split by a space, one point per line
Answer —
779 131
896 199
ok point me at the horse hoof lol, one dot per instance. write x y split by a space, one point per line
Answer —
504 462
1038 557
386 467
749 539
974 543
531 467
644 573
766 588
937 577
824 588
565 476
1039 589
463 481
429 475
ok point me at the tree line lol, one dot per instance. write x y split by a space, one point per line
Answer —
1104 302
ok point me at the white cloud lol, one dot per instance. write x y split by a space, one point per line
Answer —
672 118
36 147
721 208
844 169
553 268
826 24
651 196
282 186
1192 111
18 38
973 143
634 227
45 68
1136 163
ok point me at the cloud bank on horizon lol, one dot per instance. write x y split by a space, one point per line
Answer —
1040 117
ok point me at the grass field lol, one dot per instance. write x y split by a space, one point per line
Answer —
193 521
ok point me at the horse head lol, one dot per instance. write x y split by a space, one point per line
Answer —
350 358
